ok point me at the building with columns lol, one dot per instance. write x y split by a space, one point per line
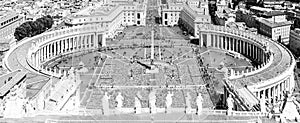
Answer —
272 75
277 31
170 14
187 15
294 43
9 21
113 18
191 19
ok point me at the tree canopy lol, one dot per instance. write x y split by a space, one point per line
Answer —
32 28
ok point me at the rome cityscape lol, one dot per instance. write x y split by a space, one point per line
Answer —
145 61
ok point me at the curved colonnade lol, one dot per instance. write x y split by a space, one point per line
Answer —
51 45
272 73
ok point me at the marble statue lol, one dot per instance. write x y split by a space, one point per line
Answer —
105 104
188 103
290 110
262 104
152 101
230 102
169 99
119 100
199 101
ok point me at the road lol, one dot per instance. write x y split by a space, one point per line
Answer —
17 58
152 12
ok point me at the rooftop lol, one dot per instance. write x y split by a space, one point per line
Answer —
4 15
91 10
275 24
260 8
196 12
282 60
274 13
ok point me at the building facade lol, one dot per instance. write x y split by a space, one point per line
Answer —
186 16
111 17
294 44
276 31
191 20
261 81
9 21
170 14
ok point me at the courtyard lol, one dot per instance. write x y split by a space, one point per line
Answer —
176 67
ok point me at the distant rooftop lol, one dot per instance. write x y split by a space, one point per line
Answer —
4 15
274 13
91 10
275 24
260 8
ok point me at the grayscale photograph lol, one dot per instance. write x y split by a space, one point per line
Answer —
150 61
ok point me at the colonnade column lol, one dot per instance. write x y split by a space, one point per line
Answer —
277 92
292 82
280 89
229 43
63 46
273 94
82 42
208 39
39 59
68 45
243 47
104 40
221 39
234 44
96 40
50 50
250 48
263 94
44 53
225 42
59 47
269 95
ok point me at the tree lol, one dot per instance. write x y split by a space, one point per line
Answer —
20 33
32 28
28 27
38 27
24 30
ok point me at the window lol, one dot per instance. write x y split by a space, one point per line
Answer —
138 15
